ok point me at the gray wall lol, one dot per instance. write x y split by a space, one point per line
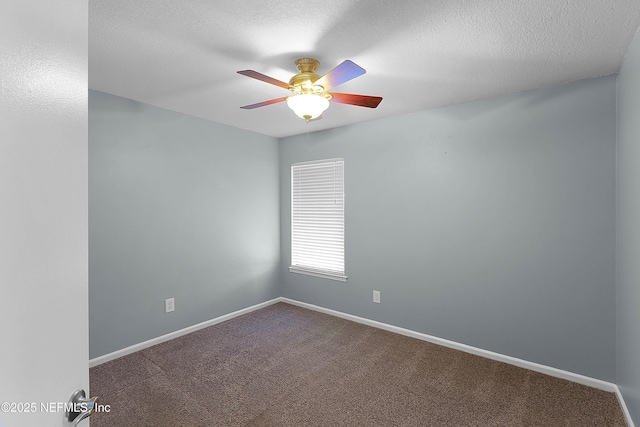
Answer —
490 223
178 207
628 230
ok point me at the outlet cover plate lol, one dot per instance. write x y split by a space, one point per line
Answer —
169 305
376 297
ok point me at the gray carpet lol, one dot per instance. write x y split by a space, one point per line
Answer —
288 366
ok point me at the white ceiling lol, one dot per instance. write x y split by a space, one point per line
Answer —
183 55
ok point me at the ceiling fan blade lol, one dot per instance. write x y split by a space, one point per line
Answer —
340 74
264 78
359 100
263 103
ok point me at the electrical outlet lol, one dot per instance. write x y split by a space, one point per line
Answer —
169 305
376 297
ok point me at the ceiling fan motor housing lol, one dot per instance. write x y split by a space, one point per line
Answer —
303 81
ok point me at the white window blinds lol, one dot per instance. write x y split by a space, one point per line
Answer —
317 218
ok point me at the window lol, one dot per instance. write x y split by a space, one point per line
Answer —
317 219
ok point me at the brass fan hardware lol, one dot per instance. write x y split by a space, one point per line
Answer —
310 96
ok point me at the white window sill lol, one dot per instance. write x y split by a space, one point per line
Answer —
315 273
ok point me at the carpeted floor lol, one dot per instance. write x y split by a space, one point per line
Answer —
288 366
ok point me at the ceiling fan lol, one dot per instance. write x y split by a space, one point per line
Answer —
311 94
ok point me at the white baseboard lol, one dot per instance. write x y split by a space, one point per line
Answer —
625 410
554 372
141 346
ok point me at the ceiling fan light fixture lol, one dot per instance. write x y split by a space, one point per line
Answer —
307 105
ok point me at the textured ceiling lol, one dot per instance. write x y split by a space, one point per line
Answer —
183 55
